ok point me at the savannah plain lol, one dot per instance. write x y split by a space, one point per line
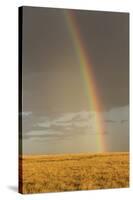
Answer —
69 172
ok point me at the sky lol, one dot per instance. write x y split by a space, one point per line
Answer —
56 115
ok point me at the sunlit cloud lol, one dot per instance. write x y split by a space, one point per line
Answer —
25 114
75 123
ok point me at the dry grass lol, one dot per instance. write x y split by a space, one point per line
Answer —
53 173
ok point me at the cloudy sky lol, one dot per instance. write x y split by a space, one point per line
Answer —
56 115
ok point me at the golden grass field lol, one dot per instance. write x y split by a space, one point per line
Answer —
54 173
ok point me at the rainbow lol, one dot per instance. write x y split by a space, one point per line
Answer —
91 89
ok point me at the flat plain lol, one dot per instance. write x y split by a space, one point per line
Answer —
70 172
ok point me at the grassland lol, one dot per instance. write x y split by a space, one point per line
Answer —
54 173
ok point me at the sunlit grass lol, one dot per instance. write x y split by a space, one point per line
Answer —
54 173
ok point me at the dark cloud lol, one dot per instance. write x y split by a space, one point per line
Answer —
52 80
56 96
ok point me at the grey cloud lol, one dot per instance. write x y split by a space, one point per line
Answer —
53 134
110 121
67 124
25 113
123 121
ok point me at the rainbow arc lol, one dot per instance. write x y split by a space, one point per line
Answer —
89 80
